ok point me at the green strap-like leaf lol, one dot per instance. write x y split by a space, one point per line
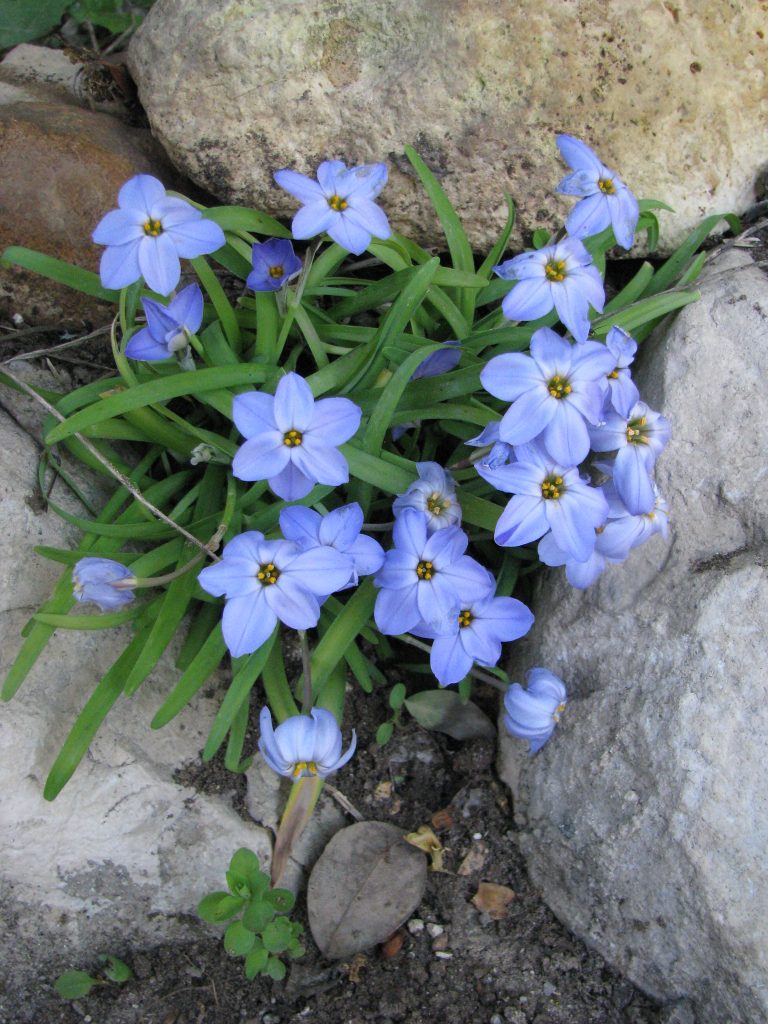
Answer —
335 642
191 382
57 270
248 671
90 718
196 674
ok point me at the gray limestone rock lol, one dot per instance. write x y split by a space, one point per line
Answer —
645 818
235 90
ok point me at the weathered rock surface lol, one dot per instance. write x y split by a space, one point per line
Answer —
60 171
645 819
237 90
121 858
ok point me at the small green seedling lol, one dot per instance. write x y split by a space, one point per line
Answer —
77 984
259 931
397 697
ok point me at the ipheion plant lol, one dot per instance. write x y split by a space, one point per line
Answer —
332 406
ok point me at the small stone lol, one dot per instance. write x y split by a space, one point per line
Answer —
493 899
496 1019
435 929
442 819
415 926
444 954
441 942
474 860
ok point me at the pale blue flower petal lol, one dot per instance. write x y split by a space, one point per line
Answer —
579 183
305 189
292 603
143 346
335 420
396 611
261 457
119 265
118 227
449 661
301 524
196 237
530 299
507 377
625 213
578 155
369 217
522 521
553 354
187 308
230 577
368 555
321 570
247 622
291 484
314 219
363 182
583 574
589 217
253 413
294 404
349 235
329 173
159 263
632 478
529 416
341 527
320 462
140 193
566 436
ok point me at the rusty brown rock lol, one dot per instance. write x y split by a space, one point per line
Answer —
60 171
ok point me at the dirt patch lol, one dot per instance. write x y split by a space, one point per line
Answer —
456 964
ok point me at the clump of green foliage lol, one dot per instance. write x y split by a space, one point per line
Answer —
259 929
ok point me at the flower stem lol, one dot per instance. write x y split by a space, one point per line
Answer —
169 577
306 661
484 677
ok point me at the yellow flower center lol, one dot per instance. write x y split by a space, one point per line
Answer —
465 618
153 227
276 271
268 573
636 432
292 438
425 570
555 270
606 186
558 711
559 387
304 766
614 374
337 203
552 488
437 504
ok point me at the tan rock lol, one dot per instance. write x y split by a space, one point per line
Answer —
672 95
644 820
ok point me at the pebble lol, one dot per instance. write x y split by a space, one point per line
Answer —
444 954
415 926
435 930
